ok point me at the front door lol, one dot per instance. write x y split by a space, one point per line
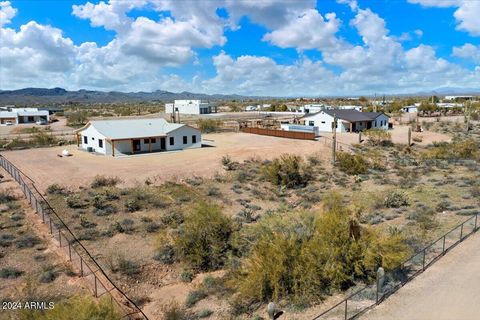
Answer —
162 144
136 145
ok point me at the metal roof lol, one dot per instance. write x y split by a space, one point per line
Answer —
134 128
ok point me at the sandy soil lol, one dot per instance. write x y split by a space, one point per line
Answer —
45 167
450 289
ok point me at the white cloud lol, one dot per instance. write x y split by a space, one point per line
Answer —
468 51
467 13
307 31
7 12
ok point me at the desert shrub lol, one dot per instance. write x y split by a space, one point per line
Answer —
288 171
204 313
187 275
463 149
352 164
311 255
85 223
396 199
6 239
213 192
152 227
378 137
56 189
77 119
133 205
6 196
78 308
172 219
204 238
74 201
48 274
102 181
165 254
10 273
228 164
101 207
194 296
173 311
208 125
27 241
127 267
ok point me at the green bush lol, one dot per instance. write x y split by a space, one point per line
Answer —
308 256
10 273
6 196
56 189
208 125
396 199
204 238
27 241
195 296
102 181
353 164
288 171
173 311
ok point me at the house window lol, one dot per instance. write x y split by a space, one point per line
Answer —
185 139
323 122
311 123
85 139
153 140
146 141
100 143
172 141
194 139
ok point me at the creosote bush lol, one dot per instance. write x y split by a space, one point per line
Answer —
352 164
102 181
204 238
208 125
378 137
287 171
396 199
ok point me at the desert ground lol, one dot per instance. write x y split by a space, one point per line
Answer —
45 167
448 290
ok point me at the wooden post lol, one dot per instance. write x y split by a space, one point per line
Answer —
150 144
409 136
113 148
360 137
78 140
334 140
131 145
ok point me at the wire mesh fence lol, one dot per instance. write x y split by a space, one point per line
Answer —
373 294
80 258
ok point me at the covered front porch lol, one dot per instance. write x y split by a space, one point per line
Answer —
137 145
356 126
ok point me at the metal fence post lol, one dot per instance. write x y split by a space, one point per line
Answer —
69 252
461 232
60 238
443 249
476 216
424 254
346 309
95 277
81 266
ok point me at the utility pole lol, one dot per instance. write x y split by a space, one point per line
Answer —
334 140
409 136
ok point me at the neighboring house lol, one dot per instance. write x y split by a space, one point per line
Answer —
114 137
251 108
453 98
410 109
188 107
22 115
347 120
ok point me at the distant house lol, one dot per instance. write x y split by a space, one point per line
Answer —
251 108
188 107
347 120
410 109
115 137
10 115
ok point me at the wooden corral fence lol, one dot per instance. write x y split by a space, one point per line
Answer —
78 256
280 133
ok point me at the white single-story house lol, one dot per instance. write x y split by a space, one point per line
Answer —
347 120
410 109
188 107
23 115
115 137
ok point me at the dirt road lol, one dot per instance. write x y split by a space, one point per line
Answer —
449 290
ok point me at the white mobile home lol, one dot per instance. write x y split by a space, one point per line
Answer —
347 120
188 107
115 137
410 109
23 115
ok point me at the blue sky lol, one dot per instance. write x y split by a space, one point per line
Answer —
267 47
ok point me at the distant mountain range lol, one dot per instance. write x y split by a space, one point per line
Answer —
29 96
42 96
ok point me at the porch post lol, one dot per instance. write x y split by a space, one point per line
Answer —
78 140
351 127
150 144
131 145
113 148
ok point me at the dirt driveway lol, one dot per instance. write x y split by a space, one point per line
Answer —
45 167
449 290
